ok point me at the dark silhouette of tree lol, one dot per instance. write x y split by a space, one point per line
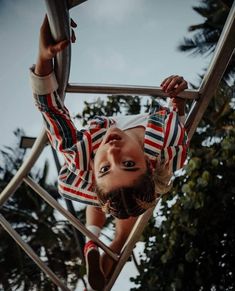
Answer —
206 34
39 225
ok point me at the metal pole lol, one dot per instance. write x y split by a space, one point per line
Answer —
223 53
24 169
126 89
73 220
30 252
129 245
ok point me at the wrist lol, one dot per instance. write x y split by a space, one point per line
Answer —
181 109
43 67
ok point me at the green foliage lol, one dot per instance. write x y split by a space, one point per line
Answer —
194 246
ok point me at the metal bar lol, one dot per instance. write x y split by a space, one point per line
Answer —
30 252
24 169
129 245
59 21
214 74
126 89
72 219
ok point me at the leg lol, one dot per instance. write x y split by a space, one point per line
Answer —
122 231
95 220
94 216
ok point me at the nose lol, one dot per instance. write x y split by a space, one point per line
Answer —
114 153
113 149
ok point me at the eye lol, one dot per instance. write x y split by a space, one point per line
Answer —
104 169
129 164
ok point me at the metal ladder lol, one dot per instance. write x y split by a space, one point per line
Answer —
58 14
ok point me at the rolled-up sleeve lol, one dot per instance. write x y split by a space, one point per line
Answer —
64 137
176 143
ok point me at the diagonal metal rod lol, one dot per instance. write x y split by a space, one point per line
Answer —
129 245
72 219
223 53
30 252
24 169
126 89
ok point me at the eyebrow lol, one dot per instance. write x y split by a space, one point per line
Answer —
124 169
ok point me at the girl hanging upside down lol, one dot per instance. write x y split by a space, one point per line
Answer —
118 165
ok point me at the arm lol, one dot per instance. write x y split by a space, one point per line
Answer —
61 131
175 140
48 48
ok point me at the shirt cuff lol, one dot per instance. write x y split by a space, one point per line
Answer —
42 85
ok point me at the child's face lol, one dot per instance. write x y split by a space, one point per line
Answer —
119 160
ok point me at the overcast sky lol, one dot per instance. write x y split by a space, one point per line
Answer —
121 42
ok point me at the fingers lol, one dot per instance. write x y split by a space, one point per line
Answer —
173 85
73 36
73 23
58 47
48 48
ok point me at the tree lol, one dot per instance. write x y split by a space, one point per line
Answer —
38 224
206 34
193 247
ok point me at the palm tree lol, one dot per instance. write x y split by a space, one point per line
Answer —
38 224
207 33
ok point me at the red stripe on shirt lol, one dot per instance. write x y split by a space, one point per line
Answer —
153 144
157 128
78 193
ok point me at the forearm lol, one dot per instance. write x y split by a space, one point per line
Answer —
181 108
181 111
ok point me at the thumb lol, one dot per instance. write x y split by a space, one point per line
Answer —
58 47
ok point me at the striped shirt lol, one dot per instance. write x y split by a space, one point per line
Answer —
165 139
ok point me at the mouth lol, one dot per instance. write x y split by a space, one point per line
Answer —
113 137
